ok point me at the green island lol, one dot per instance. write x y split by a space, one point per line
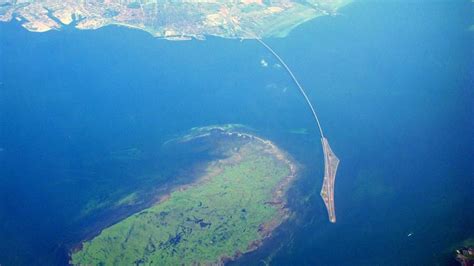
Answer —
229 210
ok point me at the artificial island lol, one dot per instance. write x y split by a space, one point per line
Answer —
240 199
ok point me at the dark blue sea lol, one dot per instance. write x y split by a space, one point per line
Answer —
84 114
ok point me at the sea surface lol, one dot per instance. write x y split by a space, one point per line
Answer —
84 114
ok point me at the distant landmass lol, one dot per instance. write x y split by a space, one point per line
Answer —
174 20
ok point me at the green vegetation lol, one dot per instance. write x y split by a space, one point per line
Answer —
220 216
467 243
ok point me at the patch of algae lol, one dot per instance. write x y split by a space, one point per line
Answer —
227 212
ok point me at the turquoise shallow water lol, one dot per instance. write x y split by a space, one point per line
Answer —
84 113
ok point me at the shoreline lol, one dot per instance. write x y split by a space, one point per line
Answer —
279 199
213 169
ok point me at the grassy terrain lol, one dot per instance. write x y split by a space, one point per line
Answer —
220 216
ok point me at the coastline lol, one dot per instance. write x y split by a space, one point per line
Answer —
279 199
215 168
